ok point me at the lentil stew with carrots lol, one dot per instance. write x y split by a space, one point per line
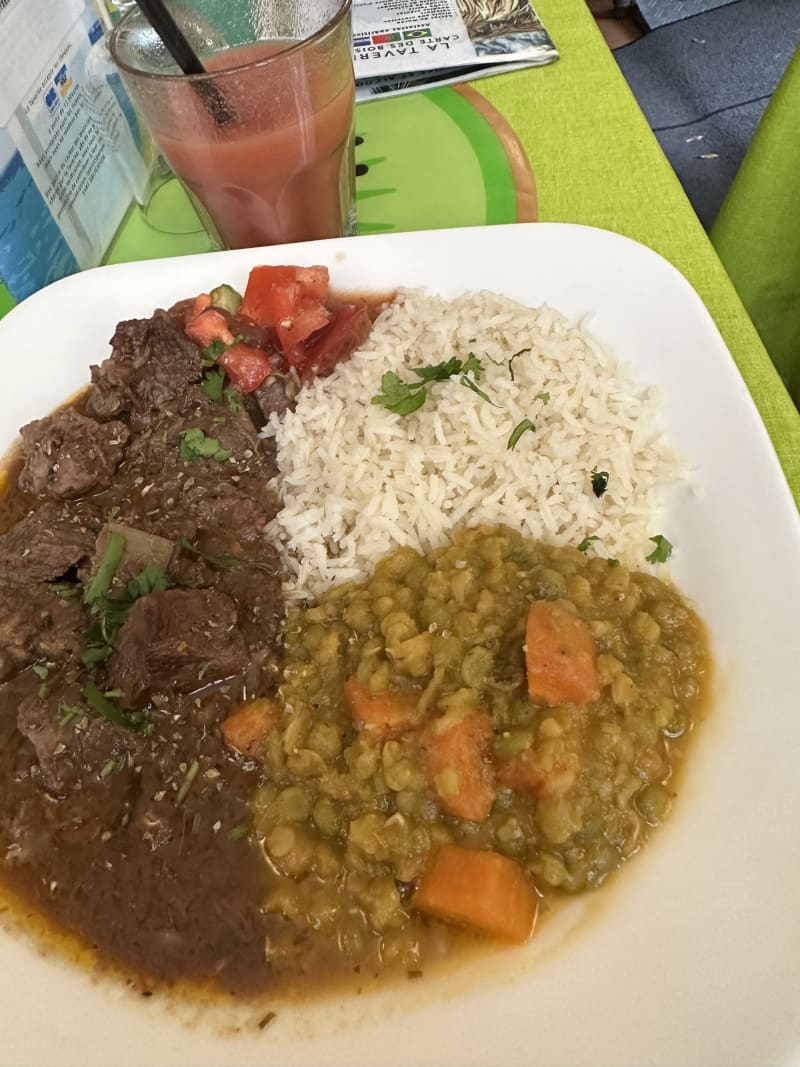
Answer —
469 735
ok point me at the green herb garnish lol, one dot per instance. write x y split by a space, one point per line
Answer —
150 580
186 784
238 832
96 654
544 397
110 613
101 580
233 398
108 768
399 397
213 385
40 670
195 445
518 431
70 712
66 590
661 552
403 398
599 482
521 352
222 563
100 703
212 352
586 543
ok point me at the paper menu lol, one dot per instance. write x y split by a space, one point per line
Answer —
401 45
69 163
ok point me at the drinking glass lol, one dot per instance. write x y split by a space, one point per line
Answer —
263 141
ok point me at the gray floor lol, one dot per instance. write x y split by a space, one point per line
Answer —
704 81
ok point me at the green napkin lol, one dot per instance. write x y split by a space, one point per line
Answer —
757 232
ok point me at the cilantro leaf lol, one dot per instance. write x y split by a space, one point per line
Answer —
213 384
195 445
599 482
544 397
233 398
403 398
440 372
518 431
212 352
472 365
151 579
586 543
661 552
398 396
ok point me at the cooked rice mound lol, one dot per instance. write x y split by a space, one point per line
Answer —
358 481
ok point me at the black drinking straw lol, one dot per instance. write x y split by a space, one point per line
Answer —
156 13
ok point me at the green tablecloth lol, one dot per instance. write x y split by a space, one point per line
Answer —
596 161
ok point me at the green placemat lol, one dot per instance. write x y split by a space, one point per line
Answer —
597 162
410 149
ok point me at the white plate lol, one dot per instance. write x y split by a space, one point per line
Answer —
694 956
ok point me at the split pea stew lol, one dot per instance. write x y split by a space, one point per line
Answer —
466 736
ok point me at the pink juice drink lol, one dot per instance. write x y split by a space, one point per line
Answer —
281 170
262 137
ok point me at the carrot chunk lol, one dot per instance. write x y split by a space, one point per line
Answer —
245 729
458 764
482 890
560 656
382 715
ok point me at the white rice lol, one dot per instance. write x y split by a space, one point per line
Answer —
358 481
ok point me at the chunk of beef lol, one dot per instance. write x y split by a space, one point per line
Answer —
276 395
177 640
231 516
152 362
36 622
46 543
71 750
67 454
258 593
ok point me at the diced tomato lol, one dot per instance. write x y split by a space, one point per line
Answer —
273 293
314 281
290 300
349 327
270 295
207 327
246 366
